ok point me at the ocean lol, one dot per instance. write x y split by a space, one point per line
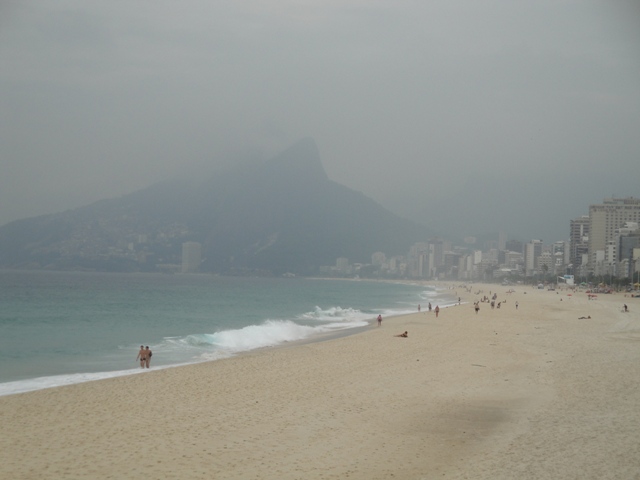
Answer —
59 328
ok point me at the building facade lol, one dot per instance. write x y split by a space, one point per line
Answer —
532 251
579 240
604 220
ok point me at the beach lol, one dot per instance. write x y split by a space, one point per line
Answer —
528 393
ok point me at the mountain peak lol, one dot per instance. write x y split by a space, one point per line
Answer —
302 160
283 215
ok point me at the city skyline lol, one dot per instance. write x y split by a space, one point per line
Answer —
605 242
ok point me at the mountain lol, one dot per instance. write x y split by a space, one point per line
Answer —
283 215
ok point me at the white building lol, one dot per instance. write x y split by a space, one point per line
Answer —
545 263
513 259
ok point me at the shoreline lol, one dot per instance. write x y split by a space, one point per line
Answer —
116 367
528 393
81 377
26 385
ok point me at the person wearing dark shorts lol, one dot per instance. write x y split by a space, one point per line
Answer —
142 356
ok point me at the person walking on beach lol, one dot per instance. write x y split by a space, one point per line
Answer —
437 310
477 307
379 320
516 305
147 357
418 308
429 306
142 356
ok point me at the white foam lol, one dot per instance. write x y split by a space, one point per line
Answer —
40 383
269 333
196 348
334 313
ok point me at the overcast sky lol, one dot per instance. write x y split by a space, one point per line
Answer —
501 115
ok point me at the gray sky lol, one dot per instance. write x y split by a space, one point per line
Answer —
496 114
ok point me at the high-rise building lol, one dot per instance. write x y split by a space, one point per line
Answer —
502 241
579 238
604 220
514 246
532 251
418 260
191 257
561 250
545 263
628 242
437 247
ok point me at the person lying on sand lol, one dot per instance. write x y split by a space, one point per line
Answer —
404 335
584 318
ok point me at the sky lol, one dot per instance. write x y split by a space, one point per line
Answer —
469 116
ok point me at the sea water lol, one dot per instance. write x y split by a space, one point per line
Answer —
58 328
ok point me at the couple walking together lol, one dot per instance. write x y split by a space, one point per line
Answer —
144 355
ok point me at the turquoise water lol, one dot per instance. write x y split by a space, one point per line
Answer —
66 327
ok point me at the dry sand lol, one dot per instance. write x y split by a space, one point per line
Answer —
528 393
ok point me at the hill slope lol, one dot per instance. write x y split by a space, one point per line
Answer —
284 215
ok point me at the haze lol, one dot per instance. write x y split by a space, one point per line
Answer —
470 117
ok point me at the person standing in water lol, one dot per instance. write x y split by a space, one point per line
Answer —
142 356
147 357
379 320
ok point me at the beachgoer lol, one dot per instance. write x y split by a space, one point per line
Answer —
142 356
626 309
379 320
516 305
429 306
403 335
437 310
584 318
477 308
148 356
418 308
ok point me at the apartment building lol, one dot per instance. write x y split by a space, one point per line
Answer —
604 220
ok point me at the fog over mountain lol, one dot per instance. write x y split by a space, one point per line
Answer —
280 216
467 117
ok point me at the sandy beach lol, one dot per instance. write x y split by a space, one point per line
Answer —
527 393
